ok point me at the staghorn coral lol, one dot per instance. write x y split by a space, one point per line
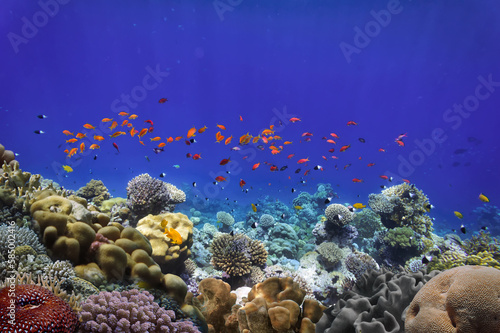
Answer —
338 215
236 254
462 299
129 311
403 205
94 191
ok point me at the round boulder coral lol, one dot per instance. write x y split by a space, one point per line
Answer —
462 299
35 309
338 215
147 195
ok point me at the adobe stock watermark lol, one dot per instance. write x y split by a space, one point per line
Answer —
363 37
280 120
222 6
125 102
30 26
454 117
10 281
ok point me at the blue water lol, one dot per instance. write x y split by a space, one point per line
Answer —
266 61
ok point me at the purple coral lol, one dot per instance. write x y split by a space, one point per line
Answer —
129 311
147 195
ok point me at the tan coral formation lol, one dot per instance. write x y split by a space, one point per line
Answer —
463 299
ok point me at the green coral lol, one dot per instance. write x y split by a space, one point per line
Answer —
403 237
483 259
367 222
447 260
482 242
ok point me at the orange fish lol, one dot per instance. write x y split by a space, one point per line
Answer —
294 119
162 100
196 156
356 180
141 142
115 134
228 140
324 157
170 139
125 122
241 118
344 148
401 143
349 123
255 166
273 168
82 147
142 132
133 116
113 125
222 127
331 141
334 135
123 113
203 129
382 150
106 120
67 132
161 144
287 142
271 127
98 138
133 132
290 156
303 160
81 135
72 152
72 140
371 164
275 151
174 236
94 146
267 132
156 138
242 182
219 137
177 138
88 126
220 179
225 161
256 139
191 132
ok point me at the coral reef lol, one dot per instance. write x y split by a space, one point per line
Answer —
236 254
462 299
329 254
94 192
7 156
359 262
338 215
367 222
36 310
129 311
376 303
403 205
227 221
266 221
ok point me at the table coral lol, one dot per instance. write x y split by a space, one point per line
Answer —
36 310
463 299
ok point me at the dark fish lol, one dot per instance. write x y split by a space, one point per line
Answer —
297 171
254 225
362 140
283 168
455 164
293 190
39 132
302 181
192 141
232 233
42 116
460 151
328 200
462 229
283 215
484 228
158 150
194 184
383 186
163 174
95 157
261 147
318 167
426 260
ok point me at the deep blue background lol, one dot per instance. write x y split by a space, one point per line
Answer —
262 55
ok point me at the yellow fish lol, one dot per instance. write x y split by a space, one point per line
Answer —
67 168
173 235
458 214
483 198
298 207
359 205
254 208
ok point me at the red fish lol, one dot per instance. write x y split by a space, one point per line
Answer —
188 142
331 141
406 181
255 166
349 123
344 148
188 155
151 129
242 182
225 161
290 156
293 120
384 177
371 164
162 100
116 146
324 157
220 179
382 150
274 168
303 160
401 143
356 180
307 172
241 118
149 121
307 134
334 135
331 150
196 156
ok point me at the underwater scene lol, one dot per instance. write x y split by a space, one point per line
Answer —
250 166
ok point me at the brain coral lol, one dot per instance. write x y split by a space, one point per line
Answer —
236 254
36 310
460 300
338 215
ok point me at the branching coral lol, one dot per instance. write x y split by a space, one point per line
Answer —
236 254
147 195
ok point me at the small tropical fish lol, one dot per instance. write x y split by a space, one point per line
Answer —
349 123
88 126
347 165
141 142
462 229
203 129
133 132
157 138
72 152
196 156
274 168
151 129
162 100
255 166
219 137
370 164
334 135
161 144
382 150
235 148
228 140
241 118
384 177
42 116
222 127
406 181
344 148
293 120
303 160
67 168
106 120
66 132
267 132
307 172
401 136
290 156
331 150
242 183
125 122
82 147
220 178
177 138
399 142
458 214
133 116
191 132
149 121
306 134
483 198
174 235
177 166
298 207
158 150
359 205
114 135
113 125
98 138
331 141
94 146
72 140
142 132
123 113
356 180
361 140
287 142
283 168
225 161
254 208
297 171
81 135
116 146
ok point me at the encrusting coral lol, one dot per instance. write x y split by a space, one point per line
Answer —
463 299
236 254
